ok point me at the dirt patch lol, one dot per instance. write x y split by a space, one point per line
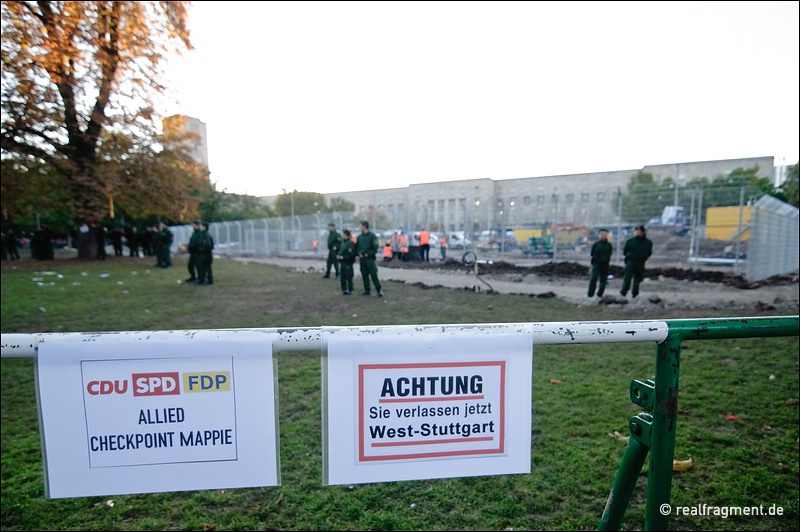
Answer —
574 270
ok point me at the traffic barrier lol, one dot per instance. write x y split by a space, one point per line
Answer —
652 431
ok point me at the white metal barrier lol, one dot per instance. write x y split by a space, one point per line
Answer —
15 345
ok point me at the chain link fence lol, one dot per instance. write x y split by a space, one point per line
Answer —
726 227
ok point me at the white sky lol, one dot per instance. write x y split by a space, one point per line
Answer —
343 96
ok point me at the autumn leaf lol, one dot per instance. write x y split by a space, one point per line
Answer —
682 465
617 436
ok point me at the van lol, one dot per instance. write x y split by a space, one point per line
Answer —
458 240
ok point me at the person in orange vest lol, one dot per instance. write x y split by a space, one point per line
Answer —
403 246
425 245
387 252
443 246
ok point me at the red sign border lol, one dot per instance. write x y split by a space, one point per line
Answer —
361 411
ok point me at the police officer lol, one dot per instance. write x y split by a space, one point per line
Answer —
347 256
163 240
205 255
192 248
334 242
601 257
637 250
367 247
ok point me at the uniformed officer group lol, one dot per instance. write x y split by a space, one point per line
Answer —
344 249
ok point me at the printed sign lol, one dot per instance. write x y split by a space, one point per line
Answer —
431 409
143 413
429 406
144 417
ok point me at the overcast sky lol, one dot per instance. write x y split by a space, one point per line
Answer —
343 96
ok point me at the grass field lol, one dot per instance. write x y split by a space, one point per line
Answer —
750 461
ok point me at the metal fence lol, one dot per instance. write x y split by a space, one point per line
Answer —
756 238
773 239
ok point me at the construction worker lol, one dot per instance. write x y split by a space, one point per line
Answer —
425 245
403 246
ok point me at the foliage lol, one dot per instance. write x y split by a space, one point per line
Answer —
742 184
641 185
32 196
341 205
790 188
299 203
223 206
72 69
645 198
145 179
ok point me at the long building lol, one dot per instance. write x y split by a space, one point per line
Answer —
476 204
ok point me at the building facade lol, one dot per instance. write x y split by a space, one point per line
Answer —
198 147
476 204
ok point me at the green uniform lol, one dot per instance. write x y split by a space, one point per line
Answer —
192 247
637 250
163 244
367 248
601 257
347 255
205 248
334 242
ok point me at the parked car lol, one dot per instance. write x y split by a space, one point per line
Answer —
458 240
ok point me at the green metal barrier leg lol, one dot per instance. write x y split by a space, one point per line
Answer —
624 482
656 432
663 428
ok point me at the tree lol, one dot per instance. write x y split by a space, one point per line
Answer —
789 187
72 68
644 198
341 205
299 203
222 206
727 190
157 177
32 195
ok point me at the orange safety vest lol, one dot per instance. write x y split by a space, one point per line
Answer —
443 241
404 243
387 251
424 238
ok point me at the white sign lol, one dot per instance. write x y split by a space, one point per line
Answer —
152 416
427 406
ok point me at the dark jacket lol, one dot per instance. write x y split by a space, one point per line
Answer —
348 251
334 240
638 249
367 244
601 252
